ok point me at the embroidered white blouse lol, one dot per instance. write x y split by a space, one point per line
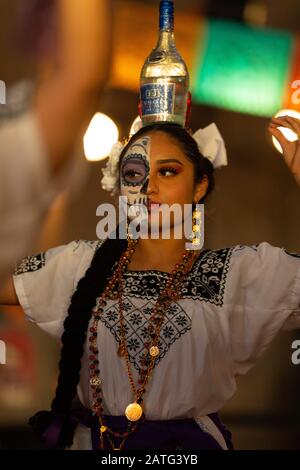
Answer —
234 301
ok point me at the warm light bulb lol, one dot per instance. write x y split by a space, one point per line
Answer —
136 125
99 138
288 133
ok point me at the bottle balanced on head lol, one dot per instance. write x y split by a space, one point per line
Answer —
164 81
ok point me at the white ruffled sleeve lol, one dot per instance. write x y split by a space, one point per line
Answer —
45 283
262 297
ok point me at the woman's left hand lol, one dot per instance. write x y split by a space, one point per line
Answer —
291 150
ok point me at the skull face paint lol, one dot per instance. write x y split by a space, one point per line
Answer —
134 174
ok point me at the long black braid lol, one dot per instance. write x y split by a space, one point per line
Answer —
73 340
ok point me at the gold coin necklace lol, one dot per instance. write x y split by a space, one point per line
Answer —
170 293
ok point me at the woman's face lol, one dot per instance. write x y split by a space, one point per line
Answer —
155 171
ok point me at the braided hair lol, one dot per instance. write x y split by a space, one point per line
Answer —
73 340
84 298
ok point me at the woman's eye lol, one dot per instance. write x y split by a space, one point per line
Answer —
132 174
168 171
133 171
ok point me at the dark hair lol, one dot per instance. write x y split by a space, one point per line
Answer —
202 165
73 340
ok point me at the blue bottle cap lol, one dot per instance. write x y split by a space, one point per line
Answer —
166 17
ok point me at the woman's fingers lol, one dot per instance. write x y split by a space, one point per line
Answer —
286 145
291 150
287 121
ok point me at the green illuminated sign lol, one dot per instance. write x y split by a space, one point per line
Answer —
242 68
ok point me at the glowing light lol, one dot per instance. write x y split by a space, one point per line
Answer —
288 133
242 68
136 125
99 138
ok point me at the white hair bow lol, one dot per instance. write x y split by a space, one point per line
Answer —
211 145
110 179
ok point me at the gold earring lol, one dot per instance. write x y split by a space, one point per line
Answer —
196 224
129 233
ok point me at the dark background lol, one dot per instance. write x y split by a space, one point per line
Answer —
255 199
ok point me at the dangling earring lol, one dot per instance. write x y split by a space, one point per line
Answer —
128 230
196 226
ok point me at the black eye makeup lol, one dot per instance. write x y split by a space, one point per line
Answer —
134 171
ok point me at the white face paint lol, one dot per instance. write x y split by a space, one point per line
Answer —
134 174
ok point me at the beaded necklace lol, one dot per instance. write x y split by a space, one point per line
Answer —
171 292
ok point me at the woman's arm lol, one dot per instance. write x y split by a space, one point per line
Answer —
8 294
68 94
291 150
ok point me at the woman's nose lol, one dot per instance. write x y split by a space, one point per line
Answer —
150 185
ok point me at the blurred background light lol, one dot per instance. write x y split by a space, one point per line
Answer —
2 92
135 126
99 138
242 68
256 12
288 133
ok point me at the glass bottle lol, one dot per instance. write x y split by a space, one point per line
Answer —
164 80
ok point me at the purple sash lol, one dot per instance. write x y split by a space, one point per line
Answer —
181 434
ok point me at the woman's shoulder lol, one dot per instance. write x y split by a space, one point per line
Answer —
66 255
86 244
243 273
263 248
216 270
213 260
219 261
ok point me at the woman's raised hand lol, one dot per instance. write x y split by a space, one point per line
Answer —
291 150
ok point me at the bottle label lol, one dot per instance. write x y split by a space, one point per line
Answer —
158 98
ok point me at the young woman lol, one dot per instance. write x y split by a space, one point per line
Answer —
154 335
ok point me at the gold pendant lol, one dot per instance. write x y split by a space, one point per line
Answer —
103 429
133 412
95 381
154 351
